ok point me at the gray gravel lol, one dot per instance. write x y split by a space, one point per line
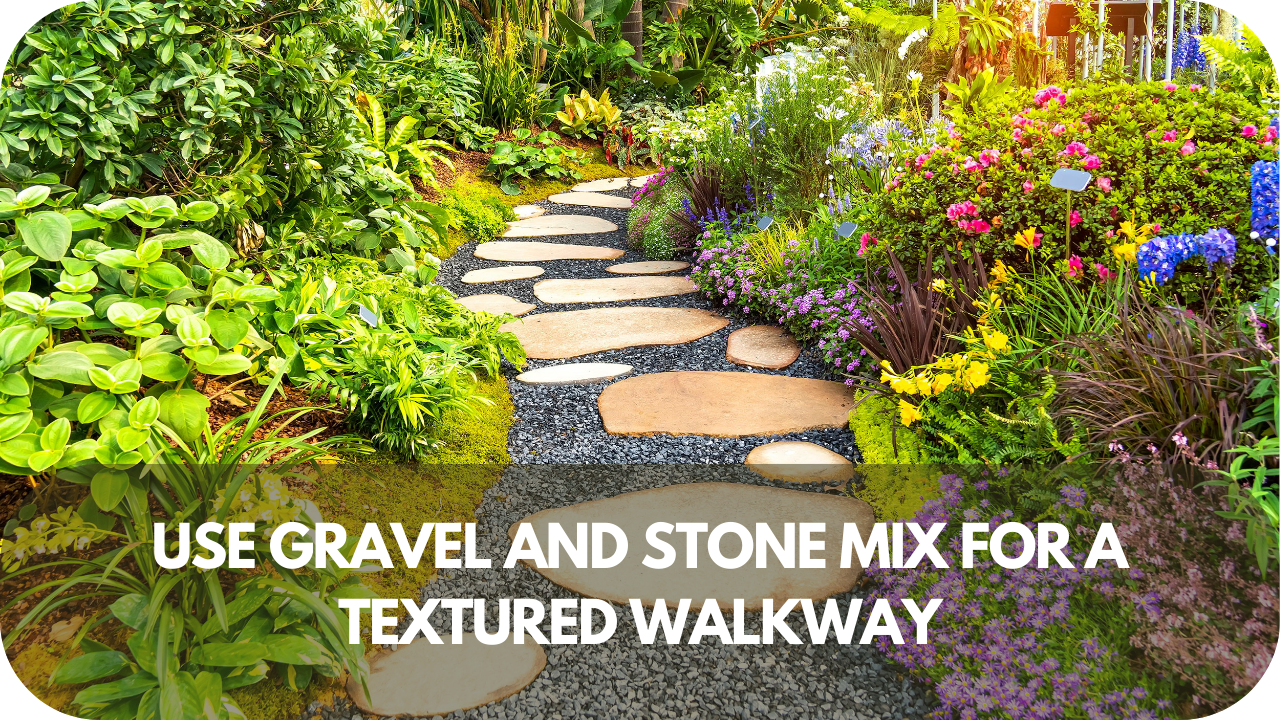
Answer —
564 457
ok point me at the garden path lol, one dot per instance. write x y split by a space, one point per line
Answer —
653 365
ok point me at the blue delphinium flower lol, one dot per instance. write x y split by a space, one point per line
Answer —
1158 258
1187 53
1218 245
1265 221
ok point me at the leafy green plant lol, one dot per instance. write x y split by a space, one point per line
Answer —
189 639
987 27
1244 67
512 159
481 218
158 318
708 31
587 116
1251 491
387 149
968 96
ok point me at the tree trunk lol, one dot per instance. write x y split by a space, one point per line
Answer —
633 32
672 11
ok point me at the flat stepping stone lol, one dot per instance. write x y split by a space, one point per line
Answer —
799 462
524 212
421 679
501 274
558 335
647 267
575 374
597 290
591 199
711 503
723 404
601 185
495 304
558 225
762 346
532 251
640 180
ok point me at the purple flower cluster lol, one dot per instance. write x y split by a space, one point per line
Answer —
996 645
1187 53
1265 220
1158 258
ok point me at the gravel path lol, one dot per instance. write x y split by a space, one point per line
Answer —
564 457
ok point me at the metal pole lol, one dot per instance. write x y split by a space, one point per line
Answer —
936 100
1213 70
1148 42
1102 34
1168 41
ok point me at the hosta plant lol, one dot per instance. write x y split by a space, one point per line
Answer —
585 115
512 159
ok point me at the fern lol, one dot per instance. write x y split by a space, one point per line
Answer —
1247 70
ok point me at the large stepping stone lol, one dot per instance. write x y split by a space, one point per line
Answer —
532 251
501 274
799 462
596 290
640 180
592 199
558 225
495 304
421 679
647 267
575 374
711 503
723 404
762 346
558 335
524 212
601 185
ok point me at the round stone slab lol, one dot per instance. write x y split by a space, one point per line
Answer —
648 267
762 346
532 251
711 503
603 184
597 290
558 335
421 679
591 199
574 374
558 225
640 180
722 404
524 212
495 304
501 274
799 462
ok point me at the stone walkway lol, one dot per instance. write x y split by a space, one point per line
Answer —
629 395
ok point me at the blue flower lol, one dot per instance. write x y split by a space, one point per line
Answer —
1265 201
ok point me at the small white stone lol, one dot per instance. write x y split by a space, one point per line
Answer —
574 374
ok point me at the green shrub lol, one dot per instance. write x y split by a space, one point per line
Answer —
482 218
1195 181
651 223
873 425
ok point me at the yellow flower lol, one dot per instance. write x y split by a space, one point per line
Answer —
885 377
1127 252
923 385
976 375
942 382
1028 239
939 285
903 385
995 340
910 413
999 274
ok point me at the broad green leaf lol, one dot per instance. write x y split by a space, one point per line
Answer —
14 384
47 234
231 654
164 275
295 650
93 666
185 411
131 610
199 211
227 328
17 342
163 366
95 406
19 449
103 353
135 684
67 366
108 488
225 364
144 412
12 426
130 438
211 252
255 293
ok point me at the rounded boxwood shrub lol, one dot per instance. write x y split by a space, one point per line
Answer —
1178 157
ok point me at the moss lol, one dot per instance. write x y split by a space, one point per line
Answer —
33 667
270 699
481 438
895 484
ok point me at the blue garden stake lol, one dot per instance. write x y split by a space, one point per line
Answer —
367 315
764 223
1071 181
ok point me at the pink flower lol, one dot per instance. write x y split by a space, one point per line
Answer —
1104 274
1028 186
1074 266
1111 233
1075 218
1155 227
1017 135
1248 131
1052 93
1075 148
928 173
1187 148
1267 136
1170 87
1058 129
975 226
1092 162
989 157
971 165
954 134
959 210
1026 152
1169 136
1195 88
867 241
1105 184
